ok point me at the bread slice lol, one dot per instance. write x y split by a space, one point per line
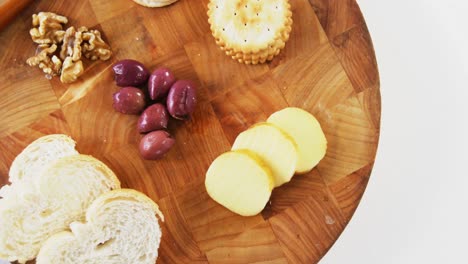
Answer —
121 227
40 206
32 160
37 155
154 3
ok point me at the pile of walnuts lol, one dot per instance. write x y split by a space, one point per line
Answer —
59 51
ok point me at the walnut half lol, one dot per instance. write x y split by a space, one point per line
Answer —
48 65
71 46
94 47
47 28
71 70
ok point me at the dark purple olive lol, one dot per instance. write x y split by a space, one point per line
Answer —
129 100
155 145
181 99
154 117
130 73
160 82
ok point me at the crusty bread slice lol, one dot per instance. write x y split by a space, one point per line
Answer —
32 160
154 3
47 203
37 155
121 227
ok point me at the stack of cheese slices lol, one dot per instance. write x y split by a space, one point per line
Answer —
265 156
65 207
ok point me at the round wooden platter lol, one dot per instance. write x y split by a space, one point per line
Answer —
328 67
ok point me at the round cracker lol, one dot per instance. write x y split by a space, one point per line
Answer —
250 31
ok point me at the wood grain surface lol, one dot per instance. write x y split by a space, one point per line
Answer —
328 67
9 9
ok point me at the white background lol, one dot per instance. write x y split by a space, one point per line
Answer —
415 208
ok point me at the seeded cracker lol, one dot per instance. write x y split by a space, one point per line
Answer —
250 31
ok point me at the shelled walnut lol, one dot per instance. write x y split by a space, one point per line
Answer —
71 46
48 65
48 28
71 70
94 47
48 32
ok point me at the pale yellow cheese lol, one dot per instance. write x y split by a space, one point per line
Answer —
240 181
306 131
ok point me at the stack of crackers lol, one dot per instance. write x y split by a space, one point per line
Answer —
250 31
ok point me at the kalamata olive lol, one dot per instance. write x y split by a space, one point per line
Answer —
160 82
129 100
156 144
181 99
154 117
130 73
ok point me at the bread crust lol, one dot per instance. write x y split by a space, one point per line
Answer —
108 173
124 193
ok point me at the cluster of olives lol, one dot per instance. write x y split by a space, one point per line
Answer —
163 97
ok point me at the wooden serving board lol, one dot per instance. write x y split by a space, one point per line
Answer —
328 67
